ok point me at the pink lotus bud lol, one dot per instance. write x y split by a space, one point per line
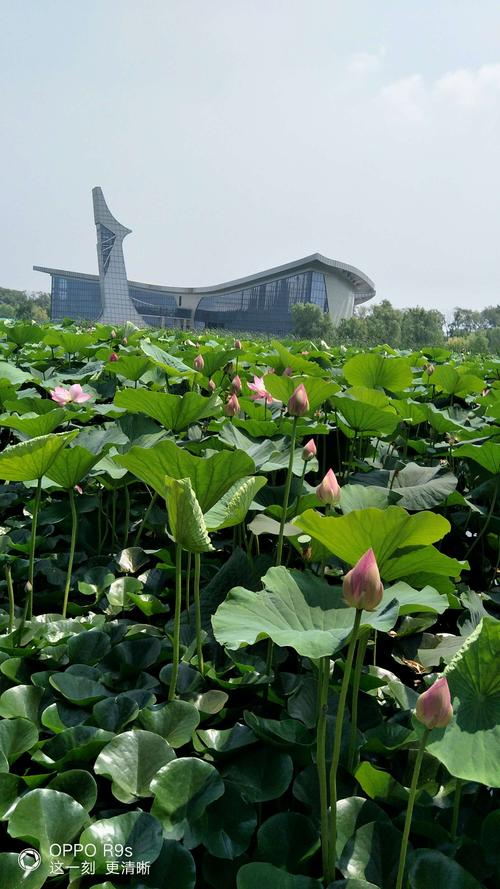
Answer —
113 357
309 450
232 406
113 334
125 341
362 587
287 372
298 403
198 363
237 344
236 385
78 489
434 708
211 385
430 369
329 489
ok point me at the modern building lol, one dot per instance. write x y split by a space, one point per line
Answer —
259 302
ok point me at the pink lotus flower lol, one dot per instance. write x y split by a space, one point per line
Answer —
309 450
298 403
199 363
211 385
74 394
237 344
362 587
236 385
113 334
434 707
113 357
232 406
260 390
328 491
78 489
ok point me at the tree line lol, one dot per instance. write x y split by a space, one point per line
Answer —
414 328
24 306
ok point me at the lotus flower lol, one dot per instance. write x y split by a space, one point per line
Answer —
78 489
74 394
125 341
259 390
298 403
211 385
232 406
309 450
328 491
287 372
362 587
236 385
199 363
237 344
113 334
430 369
113 357
434 708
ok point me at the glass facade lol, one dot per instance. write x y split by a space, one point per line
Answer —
262 307
107 239
78 298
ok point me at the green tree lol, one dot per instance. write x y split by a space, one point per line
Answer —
493 335
309 322
465 321
478 343
421 327
384 325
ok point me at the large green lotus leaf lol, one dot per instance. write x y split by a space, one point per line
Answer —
318 391
169 363
262 774
214 359
185 518
376 372
364 418
34 425
287 840
79 687
372 854
174 412
16 737
295 609
446 379
14 877
260 451
137 830
182 790
421 487
261 875
78 744
429 867
469 745
384 530
415 601
71 466
12 375
233 506
296 362
43 817
434 562
21 700
226 826
210 477
73 341
174 868
353 812
131 367
31 459
361 496
175 721
79 784
131 760
486 454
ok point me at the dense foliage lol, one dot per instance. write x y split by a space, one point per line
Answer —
24 306
176 639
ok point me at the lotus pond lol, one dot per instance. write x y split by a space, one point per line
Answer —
249 613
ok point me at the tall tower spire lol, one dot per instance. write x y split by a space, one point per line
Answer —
117 307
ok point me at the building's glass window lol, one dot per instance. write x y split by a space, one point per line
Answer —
263 307
76 298
107 239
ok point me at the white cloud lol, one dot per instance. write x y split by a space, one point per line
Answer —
362 63
471 89
406 98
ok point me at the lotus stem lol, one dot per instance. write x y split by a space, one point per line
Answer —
145 518
188 586
10 593
486 523
74 532
197 611
332 850
323 682
293 435
177 621
456 809
126 521
31 564
358 667
409 810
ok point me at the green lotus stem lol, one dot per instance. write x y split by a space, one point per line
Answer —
409 810
127 517
188 586
297 501
145 518
74 532
486 523
31 564
197 610
293 434
113 517
332 850
358 667
10 593
456 809
323 682
177 621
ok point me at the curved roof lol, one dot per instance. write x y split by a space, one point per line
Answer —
362 285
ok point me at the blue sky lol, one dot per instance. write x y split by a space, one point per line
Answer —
235 135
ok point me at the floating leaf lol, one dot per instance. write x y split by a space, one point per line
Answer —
131 760
182 790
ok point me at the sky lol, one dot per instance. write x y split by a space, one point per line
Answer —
232 136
